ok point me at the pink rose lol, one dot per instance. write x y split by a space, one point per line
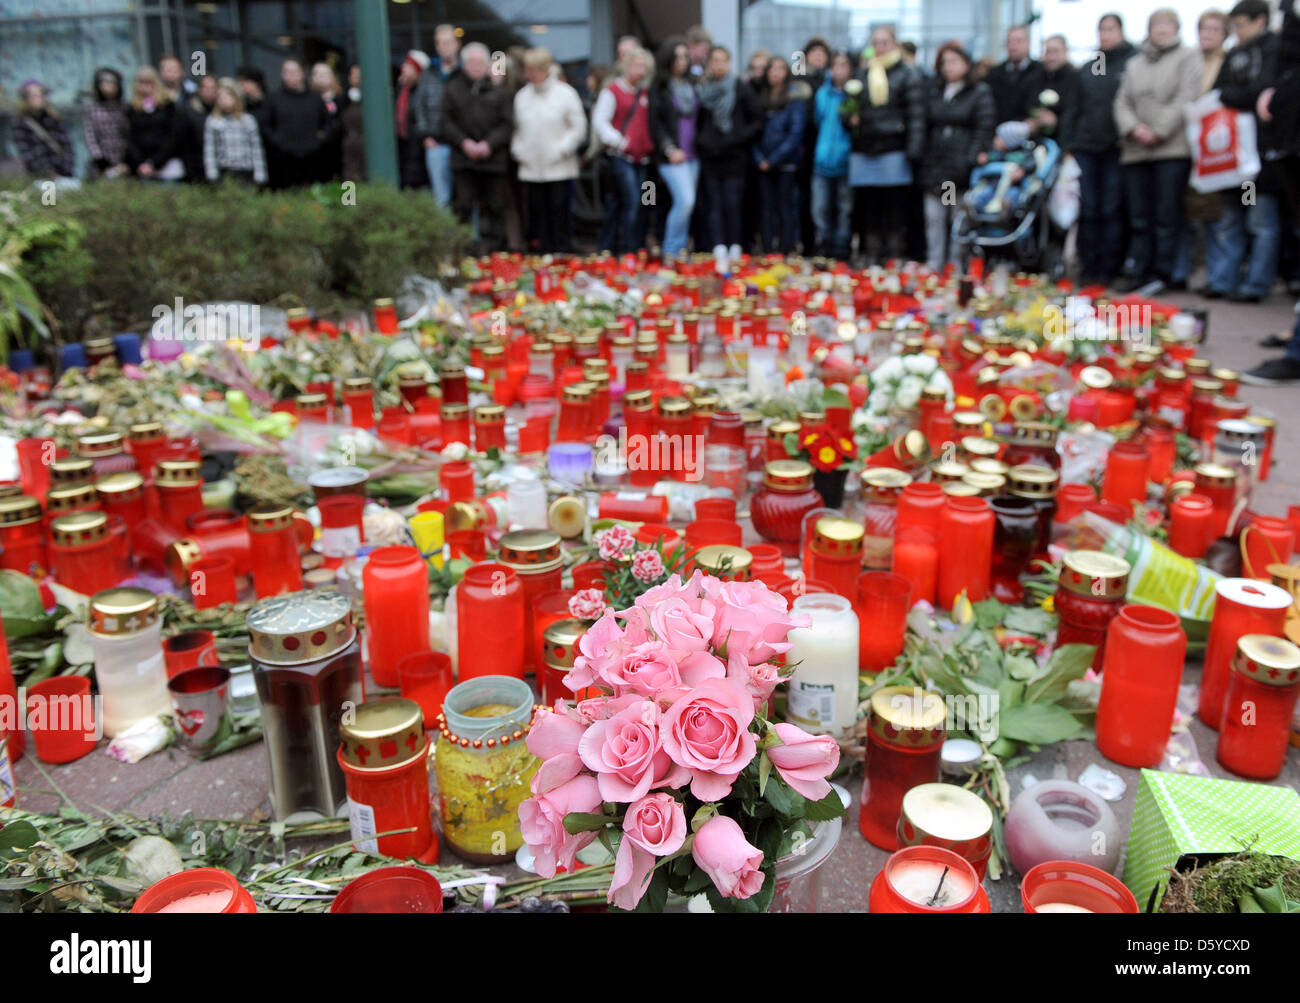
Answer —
647 669
587 604
753 620
674 588
699 666
759 680
647 565
723 853
707 732
616 543
625 753
554 739
682 629
602 647
805 761
654 827
541 820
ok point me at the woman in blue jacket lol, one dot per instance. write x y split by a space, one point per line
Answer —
832 198
777 155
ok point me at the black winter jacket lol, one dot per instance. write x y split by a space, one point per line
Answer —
1246 71
297 123
1091 125
957 132
1015 91
479 110
1065 82
1285 106
729 151
898 124
153 135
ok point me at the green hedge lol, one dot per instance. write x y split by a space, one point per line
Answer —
142 245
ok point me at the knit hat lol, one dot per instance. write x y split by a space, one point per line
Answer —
1013 134
418 59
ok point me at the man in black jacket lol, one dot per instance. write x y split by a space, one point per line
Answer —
298 125
192 116
1056 78
729 121
1017 81
1251 215
477 121
1091 137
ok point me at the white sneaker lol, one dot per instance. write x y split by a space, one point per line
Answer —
735 252
720 259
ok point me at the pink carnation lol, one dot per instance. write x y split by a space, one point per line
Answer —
587 604
616 543
647 566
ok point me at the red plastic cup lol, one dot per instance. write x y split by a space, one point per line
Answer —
390 889
470 544
202 888
425 677
1078 887
61 718
883 602
212 582
707 532
716 508
183 651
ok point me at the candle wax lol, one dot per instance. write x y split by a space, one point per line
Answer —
918 880
1060 907
201 902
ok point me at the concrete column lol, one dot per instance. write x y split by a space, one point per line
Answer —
371 17
600 20
721 18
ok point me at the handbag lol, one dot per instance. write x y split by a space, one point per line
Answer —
1224 147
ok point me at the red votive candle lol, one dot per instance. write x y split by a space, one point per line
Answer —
1125 479
1145 650
1269 540
882 601
395 585
1259 706
277 568
1241 606
490 593
905 738
1191 525
966 528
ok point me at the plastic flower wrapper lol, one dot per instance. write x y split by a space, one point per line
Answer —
143 738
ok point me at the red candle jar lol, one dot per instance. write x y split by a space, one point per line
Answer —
395 585
1072 499
455 424
716 508
713 532
909 451
493 594
1015 540
767 566
905 736
22 537
1269 540
457 480
638 370
122 494
145 440
1200 408
727 562
71 471
1038 484
599 412
920 504
927 879
882 600
1191 525
673 428
273 543
1241 606
590 575
222 532
342 527
312 407
453 383
385 316
575 413
106 452
949 817
1162 452
1125 480
412 381
83 554
1259 706
559 648
916 559
932 404
1269 425
726 428
966 528
384 755
359 399
74 498
1089 595
34 459
882 487
180 491
836 555
212 582
1067 886
638 419
489 428
635 506
1218 484
1172 400
534 556
776 436
778 507
1032 442
200 889
1145 650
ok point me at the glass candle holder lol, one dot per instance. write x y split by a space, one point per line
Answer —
426 677
883 600
836 554
949 817
470 544
456 477
342 526
125 636
570 462
1191 525
179 486
359 398
185 650
905 736
491 593
1039 484
212 582
395 584
1219 485
1015 539
526 503
710 532
767 565
1061 820
22 537
716 508
1241 606
823 692
725 467
927 879
1066 886
1145 650
1125 479
535 557
489 428
122 494
779 506
966 532
916 559
1162 452
453 383
455 424
277 568
34 459
919 504
575 413
881 488
197 890
83 554
1089 595
223 532
394 427
1259 706
1072 499
1268 540
590 575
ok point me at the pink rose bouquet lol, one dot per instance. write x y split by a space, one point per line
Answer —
676 767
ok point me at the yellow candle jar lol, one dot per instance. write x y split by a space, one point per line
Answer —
484 767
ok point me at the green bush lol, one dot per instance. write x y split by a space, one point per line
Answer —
145 245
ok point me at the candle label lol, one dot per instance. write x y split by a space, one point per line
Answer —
340 541
361 820
812 705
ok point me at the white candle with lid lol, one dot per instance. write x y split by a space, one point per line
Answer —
823 692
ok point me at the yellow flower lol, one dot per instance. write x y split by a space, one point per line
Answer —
963 610
827 455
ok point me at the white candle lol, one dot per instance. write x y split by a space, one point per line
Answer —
1060 907
201 902
919 881
823 692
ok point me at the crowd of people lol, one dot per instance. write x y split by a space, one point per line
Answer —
864 155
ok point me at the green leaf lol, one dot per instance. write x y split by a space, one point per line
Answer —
1068 662
1023 668
1003 747
20 597
18 837
1039 724
584 821
1029 620
989 613
656 896
764 771
1010 693
824 810
781 797
697 882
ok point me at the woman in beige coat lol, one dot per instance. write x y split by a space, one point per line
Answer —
1159 82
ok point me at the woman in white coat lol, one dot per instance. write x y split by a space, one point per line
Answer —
550 130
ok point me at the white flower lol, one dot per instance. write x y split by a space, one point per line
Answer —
940 381
908 396
454 451
890 369
853 87
922 365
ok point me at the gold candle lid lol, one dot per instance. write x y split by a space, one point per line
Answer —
122 486
590 366
788 475
531 551
577 393
178 473
971 421
985 484
383 733
19 510
638 400
674 405
269 517
836 537
567 516
1094 573
122 611
908 715
1214 475
881 483
146 431
988 465
1034 432
453 412
492 351
1197 367
178 556
720 559
811 419
452 369
100 444
72 470
706 404
960 489
1031 480
948 471
1096 378
358 384
778 430
974 446
1225 375
74 496
560 642
1270 660
299 627
490 414
78 528
1206 385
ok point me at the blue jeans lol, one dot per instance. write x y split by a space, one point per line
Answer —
682 180
1258 224
832 213
779 190
625 220
1101 202
438 162
1155 209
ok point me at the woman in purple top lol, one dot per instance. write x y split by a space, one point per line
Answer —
674 105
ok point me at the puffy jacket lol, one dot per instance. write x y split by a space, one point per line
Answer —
479 110
831 150
781 142
426 103
1157 84
1246 71
958 131
729 151
551 128
1091 125
898 124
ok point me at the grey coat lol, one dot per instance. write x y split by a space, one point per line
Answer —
426 104
1157 84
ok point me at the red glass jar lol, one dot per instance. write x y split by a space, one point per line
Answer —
1125 480
673 427
1071 500
1038 484
315 407
273 542
395 585
145 440
1032 442
342 527
359 399
384 755
84 556
1145 650
836 555
776 435
180 492
575 413
1162 453
966 529
778 507
1259 706
1172 399
600 399
196 890
1200 408
1268 540
489 428
905 736
534 556
927 879
22 537
1089 595
881 488
881 600
122 494
453 383
1015 539
1219 484
1241 606
223 532
212 582
1191 525
559 648
455 424
385 316
456 478
767 566
1048 886
920 504
931 405
106 452
1269 425
916 558
493 594
74 498
638 420
394 427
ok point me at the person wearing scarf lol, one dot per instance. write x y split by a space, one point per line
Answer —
729 122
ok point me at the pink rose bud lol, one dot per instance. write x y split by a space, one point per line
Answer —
804 761
723 853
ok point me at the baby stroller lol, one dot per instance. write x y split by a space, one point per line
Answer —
1017 226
